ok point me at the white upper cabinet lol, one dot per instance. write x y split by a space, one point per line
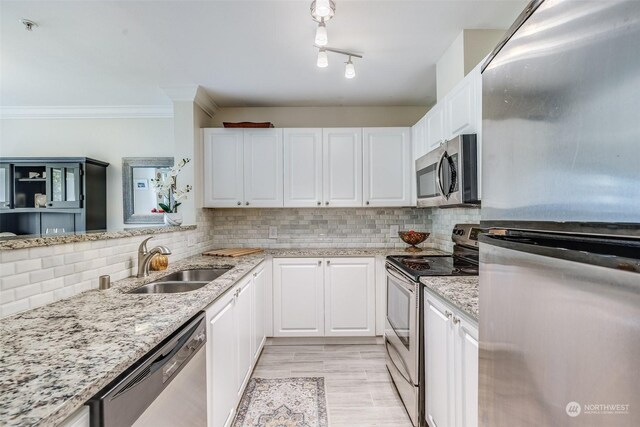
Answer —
349 294
223 167
419 138
435 127
263 167
302 167
387 166
342 167
461 109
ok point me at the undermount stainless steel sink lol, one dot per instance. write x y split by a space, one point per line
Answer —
196 275
181 281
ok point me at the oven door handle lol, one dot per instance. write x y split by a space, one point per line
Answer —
405 374
409 285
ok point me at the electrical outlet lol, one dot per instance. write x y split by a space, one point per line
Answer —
393 230
273 232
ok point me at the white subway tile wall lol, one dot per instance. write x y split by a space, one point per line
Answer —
443 220
320 228
33 277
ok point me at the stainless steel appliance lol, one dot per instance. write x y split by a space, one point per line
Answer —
559 272
403 325
167 387
448 175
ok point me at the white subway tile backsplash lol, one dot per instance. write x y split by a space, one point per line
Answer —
14 281
33 277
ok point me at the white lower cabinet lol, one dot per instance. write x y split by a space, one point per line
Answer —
349 297
451 365
243 325
316 297
298 297
259 315
230 348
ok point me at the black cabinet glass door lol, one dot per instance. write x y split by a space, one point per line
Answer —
5 186
64 185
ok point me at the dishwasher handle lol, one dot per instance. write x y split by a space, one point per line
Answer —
186 341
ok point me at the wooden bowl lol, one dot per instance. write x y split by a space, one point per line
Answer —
413 238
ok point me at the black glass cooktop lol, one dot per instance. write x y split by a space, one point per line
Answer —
429 265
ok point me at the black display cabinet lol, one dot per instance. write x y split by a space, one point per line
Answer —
52 195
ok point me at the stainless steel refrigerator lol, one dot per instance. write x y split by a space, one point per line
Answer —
560 269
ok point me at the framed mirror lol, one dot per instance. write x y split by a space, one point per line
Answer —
140 201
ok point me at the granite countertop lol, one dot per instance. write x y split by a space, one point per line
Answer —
54 358
460 291
346 252
31 241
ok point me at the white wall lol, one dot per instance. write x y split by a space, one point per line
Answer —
450 67
283 117
462 56
108 140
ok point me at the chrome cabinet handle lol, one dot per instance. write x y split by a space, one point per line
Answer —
448 314
239 203
367 202
456 320
247 203
328 262
255 274
320 262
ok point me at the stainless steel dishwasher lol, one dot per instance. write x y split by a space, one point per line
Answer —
167 387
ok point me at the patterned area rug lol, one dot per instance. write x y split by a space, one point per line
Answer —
283 402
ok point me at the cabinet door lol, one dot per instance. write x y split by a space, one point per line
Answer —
342 167
387 166
263 168
302 168
466 373
419 139
259 300
438 355
435 126
223 168
64 185
222 379
460 108
349 295
243 322
298 297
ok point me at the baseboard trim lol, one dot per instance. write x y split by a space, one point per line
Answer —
272 341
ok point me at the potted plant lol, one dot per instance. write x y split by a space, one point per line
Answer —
167 189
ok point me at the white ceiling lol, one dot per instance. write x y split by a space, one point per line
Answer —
244 53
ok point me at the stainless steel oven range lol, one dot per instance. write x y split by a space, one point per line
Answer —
404 318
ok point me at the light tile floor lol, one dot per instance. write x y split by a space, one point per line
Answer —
358 386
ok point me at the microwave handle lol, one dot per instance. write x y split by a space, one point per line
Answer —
438 180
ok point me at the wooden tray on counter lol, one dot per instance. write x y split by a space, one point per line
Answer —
233 252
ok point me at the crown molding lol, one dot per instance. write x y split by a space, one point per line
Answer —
88 112
192 93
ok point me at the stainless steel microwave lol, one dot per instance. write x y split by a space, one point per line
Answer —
448 175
